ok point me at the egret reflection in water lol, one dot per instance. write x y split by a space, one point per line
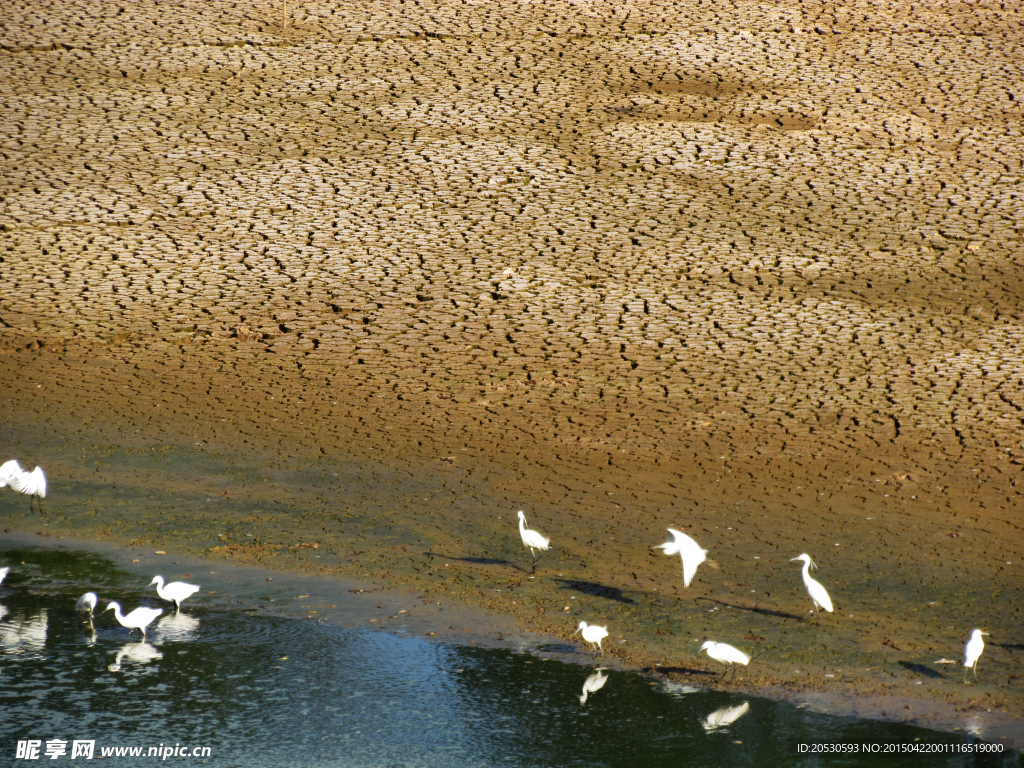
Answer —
24 635
593 684
135 653
675 689
722 718
177 627
88 630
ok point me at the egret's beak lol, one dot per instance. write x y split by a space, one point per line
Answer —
794 559
105 609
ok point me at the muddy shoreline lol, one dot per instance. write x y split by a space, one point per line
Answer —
428 536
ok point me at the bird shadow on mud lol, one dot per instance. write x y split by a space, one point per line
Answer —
920 669
597 590
476 560
681 671
762 611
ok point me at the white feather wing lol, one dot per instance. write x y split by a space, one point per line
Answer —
691 553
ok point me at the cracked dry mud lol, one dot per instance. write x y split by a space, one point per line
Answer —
378 280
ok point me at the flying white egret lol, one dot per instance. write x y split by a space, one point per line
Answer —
724 717
593 634
725 654
86 603
532 539
174 592
3 573
688 549
593 684
973 651
140 618
817 592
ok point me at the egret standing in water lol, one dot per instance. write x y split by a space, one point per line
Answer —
174 592
86 603
973 652
817 592
593 634
3 573
725 654
532 539
140 618
688 549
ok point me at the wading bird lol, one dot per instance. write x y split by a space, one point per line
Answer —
3 573
817 592
593 634
140 618
973 651
688 549
33 483
725 654
174 592
532 539
593 684
86 603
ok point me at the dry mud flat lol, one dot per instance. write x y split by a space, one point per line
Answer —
378 280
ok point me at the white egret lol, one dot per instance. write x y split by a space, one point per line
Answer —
593 634
31 483
532 539
724 717
86 603
174 592
817 592
3 573
725 654
973 651
140 618
688 549
593 684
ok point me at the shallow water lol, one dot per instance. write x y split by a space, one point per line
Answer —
275 691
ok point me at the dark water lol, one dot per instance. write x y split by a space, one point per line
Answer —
270 691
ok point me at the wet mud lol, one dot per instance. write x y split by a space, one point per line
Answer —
342 297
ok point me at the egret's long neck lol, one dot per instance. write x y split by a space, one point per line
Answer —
117 614
522 524
160 586
807 570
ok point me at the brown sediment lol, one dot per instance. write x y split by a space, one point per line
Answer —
377 281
